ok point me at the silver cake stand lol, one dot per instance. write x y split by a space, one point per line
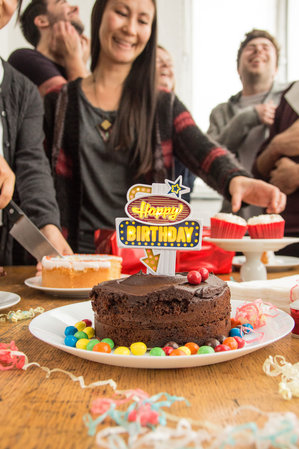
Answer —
253 269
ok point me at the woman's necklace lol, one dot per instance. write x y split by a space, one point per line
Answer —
105 126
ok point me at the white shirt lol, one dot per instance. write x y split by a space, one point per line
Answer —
1 127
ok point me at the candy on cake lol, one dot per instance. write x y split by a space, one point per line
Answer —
79 270
227 226
269 226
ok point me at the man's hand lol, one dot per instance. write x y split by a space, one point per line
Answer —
257 193
65 41
266 112
285 176
283 144
7 183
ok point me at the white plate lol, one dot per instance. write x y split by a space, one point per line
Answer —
8 299
49 327
76 293
246 244
279 263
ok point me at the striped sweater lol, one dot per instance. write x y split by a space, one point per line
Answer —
177 134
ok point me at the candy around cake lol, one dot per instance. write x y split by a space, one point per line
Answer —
157 309
79 270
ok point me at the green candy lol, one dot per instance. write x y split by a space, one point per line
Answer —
91 344
157 352
109 341
205 350
80 334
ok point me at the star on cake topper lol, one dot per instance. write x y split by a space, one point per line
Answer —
176 187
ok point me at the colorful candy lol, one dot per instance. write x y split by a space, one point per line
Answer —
70 330
87 322
70 340
168 349
193 347
194 277
102 347
80 325
92 343
240 341
204 272
205 350
82 343
186 350
157 352
109 341
138 348
80 334
231 342
90 332
221 348
236 332
176 352
122 350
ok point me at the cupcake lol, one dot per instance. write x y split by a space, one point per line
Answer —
227 226
269 226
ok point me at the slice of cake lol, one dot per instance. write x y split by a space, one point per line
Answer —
79 270
156 309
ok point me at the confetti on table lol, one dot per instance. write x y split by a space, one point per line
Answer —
20 314
278 366
279 430
11 357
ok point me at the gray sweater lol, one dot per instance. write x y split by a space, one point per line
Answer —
241 131
21 112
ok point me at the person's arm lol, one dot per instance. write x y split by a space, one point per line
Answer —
285 143
7 183
229 127
34 183
285 175
218 166
69 49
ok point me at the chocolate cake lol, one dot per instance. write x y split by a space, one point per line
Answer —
157 309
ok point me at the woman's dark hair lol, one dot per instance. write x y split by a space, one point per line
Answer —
134 123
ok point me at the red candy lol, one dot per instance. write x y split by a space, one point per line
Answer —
194 277
87 322
240 341
204 272
167 350
221 348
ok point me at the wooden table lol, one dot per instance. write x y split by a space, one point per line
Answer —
37 412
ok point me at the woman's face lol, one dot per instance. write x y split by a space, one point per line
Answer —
165 73
7 8
125 29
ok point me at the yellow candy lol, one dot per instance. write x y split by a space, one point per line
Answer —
122 350
185 349
138 348
90 332
82 343
80 325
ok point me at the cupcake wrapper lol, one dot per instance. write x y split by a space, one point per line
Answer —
226 230
267 231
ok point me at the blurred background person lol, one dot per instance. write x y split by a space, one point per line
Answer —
21 145
166 80
61 50
242 123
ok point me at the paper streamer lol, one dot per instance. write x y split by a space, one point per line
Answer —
20 315
279 430
278 366
255 313
11 357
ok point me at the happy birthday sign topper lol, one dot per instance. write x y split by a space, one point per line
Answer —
159 221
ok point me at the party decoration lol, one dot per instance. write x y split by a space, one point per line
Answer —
20 314
278 366
159 221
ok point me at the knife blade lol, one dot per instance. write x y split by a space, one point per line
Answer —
28 235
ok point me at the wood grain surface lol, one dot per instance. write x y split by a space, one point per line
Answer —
40 412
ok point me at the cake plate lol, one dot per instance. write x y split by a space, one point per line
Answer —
253 269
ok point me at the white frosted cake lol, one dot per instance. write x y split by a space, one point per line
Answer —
79 270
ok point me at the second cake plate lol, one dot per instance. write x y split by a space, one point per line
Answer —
253 269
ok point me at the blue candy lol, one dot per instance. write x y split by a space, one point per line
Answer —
70 330
236 332
70 340
247 327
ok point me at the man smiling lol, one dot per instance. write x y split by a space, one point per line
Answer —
242 123
60 51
